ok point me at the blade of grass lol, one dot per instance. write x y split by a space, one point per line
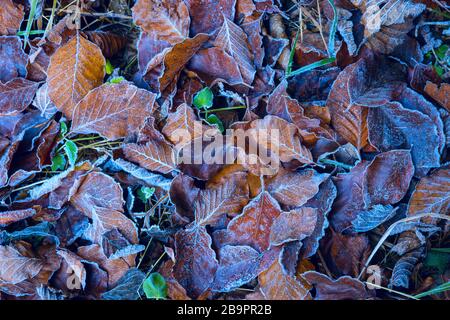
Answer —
292 53
439 289
312 66
30 21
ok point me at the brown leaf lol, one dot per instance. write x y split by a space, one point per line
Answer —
75 69
207 16
11 16
196 262
183 119
293 225
345 254
166 20
154 156
8 217
441 94
234 41
120 110
432 194
74 264
360 84
163 70
274 284
228 197
252 227
387 178
14 60
295 188
215 64
109 43
115 268
100 198
288 143
16 95
16 267
343 288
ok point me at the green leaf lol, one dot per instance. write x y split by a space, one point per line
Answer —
116 80
439 289
212 119
109 68
145 193
439 70
63 128
204 98
58 162
442 51
155 286
71 150
312 66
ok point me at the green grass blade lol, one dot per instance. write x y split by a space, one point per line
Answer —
292 53
439 289
312 66
30 20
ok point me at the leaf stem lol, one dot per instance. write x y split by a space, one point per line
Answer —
223 109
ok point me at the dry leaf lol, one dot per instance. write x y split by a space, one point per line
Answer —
11 16
16 95
75 68
120 110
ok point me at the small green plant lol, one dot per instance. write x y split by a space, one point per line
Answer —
145 193
109 68
71 151
116 80
58 162
203 99
155 286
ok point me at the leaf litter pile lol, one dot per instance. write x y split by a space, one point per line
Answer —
94 205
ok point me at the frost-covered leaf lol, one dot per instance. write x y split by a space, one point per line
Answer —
432 194
16 267
293 225
207 16
14 60
196 262
121 110
234 41
274 284
11 16
343 288
100 198
8 217
226 198
166 20
371 218
75 69
154 155
128 287
253 226
43 103
16 95
155 286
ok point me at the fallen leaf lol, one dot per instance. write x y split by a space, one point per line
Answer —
8 217
11 16
120 109
293 225
14 60
253 226
196 262
166 20
75 68
154 156
207 16
16 267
